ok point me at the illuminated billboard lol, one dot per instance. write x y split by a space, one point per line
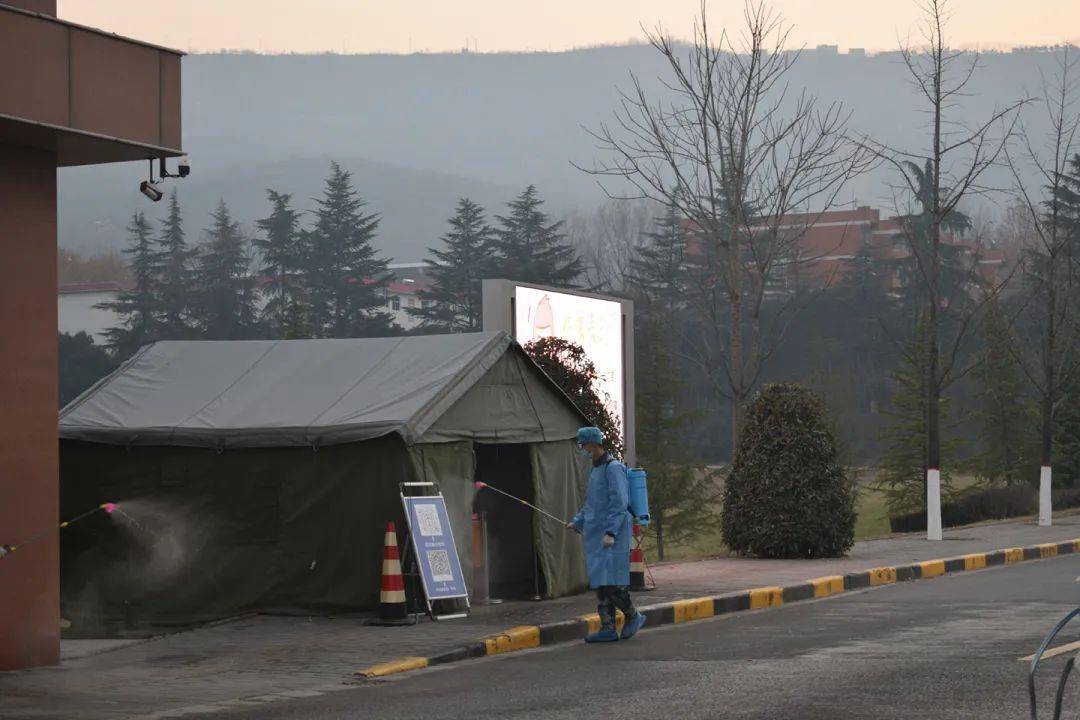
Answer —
593 323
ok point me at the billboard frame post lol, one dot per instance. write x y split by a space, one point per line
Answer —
499 298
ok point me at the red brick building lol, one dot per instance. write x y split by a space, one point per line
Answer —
826 247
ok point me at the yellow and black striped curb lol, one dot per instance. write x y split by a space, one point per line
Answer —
680 611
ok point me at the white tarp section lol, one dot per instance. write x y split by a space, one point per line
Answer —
258 393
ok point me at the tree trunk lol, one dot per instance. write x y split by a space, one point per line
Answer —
738 413
1047 445
1049 397
281 302
1050 389
933 411
660 536
933 390
735 344
1046 471
1006 441
933 379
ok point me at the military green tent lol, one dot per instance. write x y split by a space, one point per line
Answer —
261 474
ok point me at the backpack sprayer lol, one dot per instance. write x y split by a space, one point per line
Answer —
639 495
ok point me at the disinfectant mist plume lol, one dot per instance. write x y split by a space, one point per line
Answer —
139 559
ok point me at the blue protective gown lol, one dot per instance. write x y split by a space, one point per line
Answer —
606 511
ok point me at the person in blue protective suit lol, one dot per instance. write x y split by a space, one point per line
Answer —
604 521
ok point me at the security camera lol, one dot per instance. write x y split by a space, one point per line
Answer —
183 168
150 190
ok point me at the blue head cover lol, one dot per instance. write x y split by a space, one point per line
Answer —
587 435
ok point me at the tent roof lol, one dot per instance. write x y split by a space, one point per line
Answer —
260 393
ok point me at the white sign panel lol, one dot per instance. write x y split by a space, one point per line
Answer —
594 324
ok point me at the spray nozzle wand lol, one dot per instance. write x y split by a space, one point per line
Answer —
482 485
108 507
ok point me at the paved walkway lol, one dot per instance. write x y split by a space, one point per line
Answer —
261 658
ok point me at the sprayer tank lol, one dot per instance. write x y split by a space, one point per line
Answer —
639 495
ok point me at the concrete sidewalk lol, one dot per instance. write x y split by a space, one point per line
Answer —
260 659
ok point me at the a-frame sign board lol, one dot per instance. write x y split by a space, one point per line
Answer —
431 540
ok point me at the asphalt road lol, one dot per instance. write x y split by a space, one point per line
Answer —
942 648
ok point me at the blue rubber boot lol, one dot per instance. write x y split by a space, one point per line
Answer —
632 625
604 635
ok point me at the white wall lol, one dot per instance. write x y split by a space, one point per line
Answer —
76 312
401 317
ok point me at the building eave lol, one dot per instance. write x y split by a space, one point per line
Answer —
88 28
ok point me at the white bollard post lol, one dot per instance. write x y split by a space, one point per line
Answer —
1045 484
933 504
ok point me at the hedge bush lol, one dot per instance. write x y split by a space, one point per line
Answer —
787 495
990 504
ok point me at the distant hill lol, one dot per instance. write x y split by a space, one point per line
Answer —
418 131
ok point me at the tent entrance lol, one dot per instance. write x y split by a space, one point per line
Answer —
514 569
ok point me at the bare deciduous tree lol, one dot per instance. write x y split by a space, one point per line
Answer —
1050 354
737 153
607 241
939 178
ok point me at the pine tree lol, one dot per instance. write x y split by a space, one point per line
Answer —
138 307
905 461
176 286
81 363
453 304
1068 199
225 306
916 233
1067 415
1067 438
345 277
532 249
658 268
282 247
1002 413
682 494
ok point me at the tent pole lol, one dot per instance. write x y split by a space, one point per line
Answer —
536 566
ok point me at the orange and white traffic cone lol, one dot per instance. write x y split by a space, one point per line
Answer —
392 604
637 563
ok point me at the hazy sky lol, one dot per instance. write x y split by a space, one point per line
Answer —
366 26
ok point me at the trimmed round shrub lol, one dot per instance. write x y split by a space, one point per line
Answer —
787 495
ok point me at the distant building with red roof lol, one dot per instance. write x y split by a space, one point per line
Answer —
403 292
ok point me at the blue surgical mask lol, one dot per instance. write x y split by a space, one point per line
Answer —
584 453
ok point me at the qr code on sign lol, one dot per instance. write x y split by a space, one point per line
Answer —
439 562
427 517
